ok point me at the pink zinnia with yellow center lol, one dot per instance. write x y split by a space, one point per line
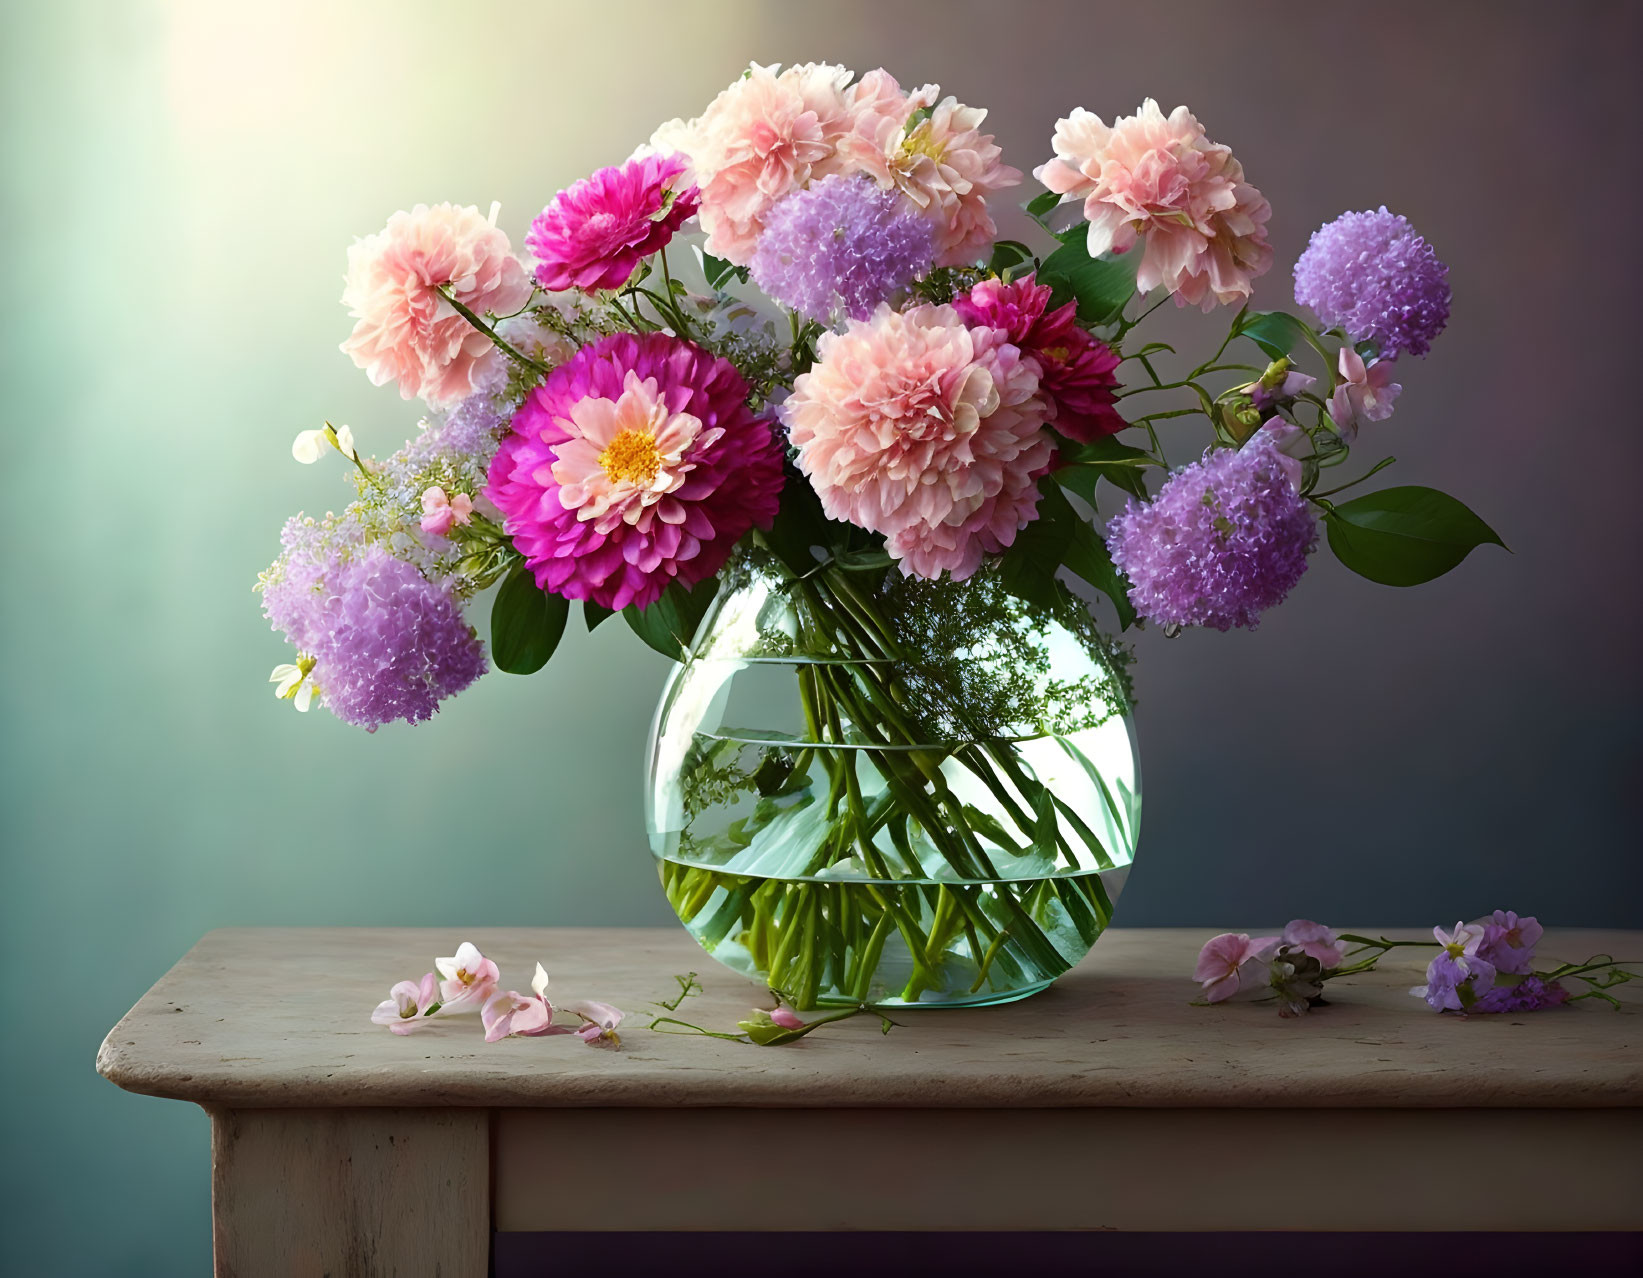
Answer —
637 463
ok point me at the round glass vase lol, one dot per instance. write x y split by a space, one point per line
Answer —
873 789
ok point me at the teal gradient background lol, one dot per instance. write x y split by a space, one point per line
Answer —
180 182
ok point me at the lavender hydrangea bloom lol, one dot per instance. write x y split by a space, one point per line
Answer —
1372 275
1531 994
841 245
387 643
1225 539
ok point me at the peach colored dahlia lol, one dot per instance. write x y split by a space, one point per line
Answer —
763 137
942 162
406 332
932 433
1160 177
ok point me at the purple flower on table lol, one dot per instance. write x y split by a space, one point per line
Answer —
1457 977
1315 940
1531 994
1234 962
1509 942
409 1005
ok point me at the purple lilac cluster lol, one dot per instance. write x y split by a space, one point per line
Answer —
1372 275
387 643
1225 539
842 245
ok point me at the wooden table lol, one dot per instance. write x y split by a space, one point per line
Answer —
1107 1102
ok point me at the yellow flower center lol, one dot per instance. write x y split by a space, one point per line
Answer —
922 141
632 456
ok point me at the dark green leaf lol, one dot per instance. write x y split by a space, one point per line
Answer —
1082 464
716 269
800 525
1276 332
1039 206
1101 286
670 623
1404 536
1060 537
1087 557
526 624
1007 254
593 614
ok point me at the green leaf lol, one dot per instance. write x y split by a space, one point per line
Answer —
1276 332
1105 458
801 524
526 624
593 614
1007 254
716 269
670 623
1060 537
1087 557
1101 286
1038 208
1404 536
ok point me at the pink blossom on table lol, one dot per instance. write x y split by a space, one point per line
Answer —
594 234
441 513
914 425
599 1022
405 331
1160 177
510 1014
1316 940
469 978
1509 942
1234 961
765 136
942 162
1363 394
787 1018
409 1005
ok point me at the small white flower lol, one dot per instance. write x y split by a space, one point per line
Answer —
308 446
343 438
539 982
293 684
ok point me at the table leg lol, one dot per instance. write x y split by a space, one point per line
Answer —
350 1193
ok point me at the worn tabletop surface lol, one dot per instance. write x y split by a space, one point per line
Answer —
280 1017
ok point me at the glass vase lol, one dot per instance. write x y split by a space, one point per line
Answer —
866 788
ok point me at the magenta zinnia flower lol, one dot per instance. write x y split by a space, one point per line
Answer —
593 235
1077 372
637 463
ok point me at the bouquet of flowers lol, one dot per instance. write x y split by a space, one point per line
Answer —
775 391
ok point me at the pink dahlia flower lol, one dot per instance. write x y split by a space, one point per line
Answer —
406 332
1077 373
593 235
942 163
635 464
1161 177
927 431
765 136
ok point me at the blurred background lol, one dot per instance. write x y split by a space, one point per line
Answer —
180 183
